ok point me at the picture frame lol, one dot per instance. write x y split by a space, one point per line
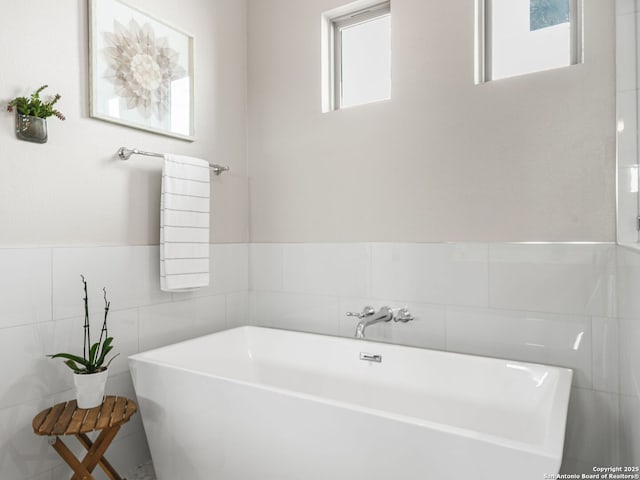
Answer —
140 70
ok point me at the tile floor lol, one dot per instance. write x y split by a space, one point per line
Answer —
142 472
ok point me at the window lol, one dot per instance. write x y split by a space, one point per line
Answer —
515 37
357 56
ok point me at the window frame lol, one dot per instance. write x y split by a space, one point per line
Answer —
336 25
484 70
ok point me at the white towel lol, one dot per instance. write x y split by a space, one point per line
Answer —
184 224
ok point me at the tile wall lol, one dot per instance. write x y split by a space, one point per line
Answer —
553 304
41 312
568 305
629 369
627 85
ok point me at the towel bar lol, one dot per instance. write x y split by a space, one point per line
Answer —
125 153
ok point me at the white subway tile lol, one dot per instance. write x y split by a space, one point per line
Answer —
627 127
266 266
626 52
210 315
28 374
237 309
228 271
574 279
627 224
605 352
453 274
24 455
560 340
592 433
229 268
25 286
295 311
426 330
327 269
624 7
629 357
169 323
123 327
130 274
628 284
630 430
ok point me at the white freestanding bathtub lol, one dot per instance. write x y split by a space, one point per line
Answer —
262 404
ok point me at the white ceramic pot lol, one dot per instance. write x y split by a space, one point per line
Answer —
90 388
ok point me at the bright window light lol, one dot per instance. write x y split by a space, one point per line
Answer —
525 36
366 62
360 57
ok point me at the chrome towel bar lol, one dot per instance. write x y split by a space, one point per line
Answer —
125 153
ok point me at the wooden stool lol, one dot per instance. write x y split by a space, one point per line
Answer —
67 419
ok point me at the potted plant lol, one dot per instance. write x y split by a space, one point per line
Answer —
90 370
31 115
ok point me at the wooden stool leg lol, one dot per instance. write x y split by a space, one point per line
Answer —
106 466
97 449
81 473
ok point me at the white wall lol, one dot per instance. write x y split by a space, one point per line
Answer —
72 190
69 207
521 159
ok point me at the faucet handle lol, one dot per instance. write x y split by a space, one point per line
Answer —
366 312
402 315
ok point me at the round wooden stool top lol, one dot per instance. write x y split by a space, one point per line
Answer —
67 419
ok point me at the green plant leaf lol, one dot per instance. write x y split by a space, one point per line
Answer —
92 352
35 106
105 351
74 358
72 365
106 348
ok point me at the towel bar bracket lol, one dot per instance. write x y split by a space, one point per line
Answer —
125 153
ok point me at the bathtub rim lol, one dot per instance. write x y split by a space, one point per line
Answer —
547 448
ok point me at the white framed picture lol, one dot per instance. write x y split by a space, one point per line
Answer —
141 70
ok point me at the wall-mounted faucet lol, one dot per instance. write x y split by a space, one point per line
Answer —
369 316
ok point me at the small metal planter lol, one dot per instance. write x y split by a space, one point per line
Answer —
31 129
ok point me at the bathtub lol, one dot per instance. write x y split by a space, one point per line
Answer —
263 404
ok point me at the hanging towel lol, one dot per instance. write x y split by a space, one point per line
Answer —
184 224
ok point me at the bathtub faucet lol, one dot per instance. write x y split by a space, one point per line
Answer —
369 316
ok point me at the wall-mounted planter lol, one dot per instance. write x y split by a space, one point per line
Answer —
31 129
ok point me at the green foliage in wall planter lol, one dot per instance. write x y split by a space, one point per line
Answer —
35 106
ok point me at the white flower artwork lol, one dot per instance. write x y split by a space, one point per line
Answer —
141 67
141 70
